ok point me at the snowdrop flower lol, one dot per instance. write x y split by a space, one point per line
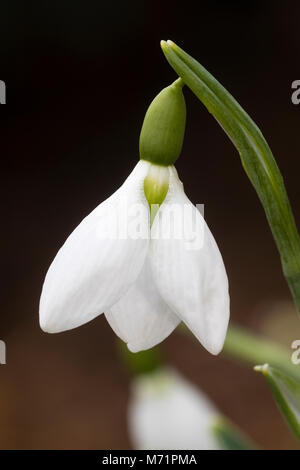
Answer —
167 412
146 269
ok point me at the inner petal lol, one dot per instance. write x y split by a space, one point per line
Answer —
142 318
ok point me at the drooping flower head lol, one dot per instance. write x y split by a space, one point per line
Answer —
145 256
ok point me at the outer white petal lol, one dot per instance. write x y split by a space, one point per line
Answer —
167 412
188 268
142 318
100 260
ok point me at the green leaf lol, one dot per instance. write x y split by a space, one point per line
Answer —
230 437
256 157
256 349
286 392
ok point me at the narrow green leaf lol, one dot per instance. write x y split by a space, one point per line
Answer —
230 437
286 392
253 348
256 157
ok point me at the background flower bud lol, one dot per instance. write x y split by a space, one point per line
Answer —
168 412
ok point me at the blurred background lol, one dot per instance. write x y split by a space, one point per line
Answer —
79 77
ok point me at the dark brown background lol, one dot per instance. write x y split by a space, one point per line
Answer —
79 77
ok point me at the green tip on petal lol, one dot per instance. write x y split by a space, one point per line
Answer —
163 128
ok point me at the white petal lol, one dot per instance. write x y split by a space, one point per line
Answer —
188 268
141 318
167 412
100 259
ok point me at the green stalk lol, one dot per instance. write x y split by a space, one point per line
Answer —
143 362
254 349
256 157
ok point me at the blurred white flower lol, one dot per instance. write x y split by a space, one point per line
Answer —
167 412
145 277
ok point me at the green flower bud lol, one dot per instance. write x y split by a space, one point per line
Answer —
163 127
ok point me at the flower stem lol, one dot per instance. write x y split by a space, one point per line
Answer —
255 349
143 362
256 157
